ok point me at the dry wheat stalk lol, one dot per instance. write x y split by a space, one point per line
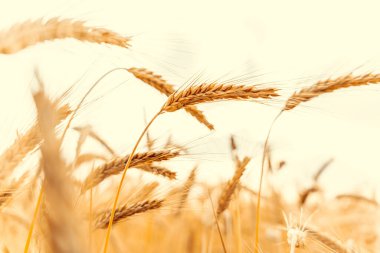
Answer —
215 92
225 197
30 33
61 226
158 170
329 85
25 144
116 166
127 211
157 82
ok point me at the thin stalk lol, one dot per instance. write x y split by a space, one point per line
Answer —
217 224
256 248
36 209
90 223
122 180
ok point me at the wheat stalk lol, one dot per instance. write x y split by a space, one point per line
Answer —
30 33
304 95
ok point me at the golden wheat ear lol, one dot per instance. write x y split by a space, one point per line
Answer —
160 84
215 92
29 33
230 187
329 85
139 160
126 211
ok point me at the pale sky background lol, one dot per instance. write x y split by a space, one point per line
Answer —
287 43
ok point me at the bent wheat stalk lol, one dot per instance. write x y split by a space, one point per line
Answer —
191 96
304 95
29 33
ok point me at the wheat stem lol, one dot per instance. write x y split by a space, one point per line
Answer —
109 228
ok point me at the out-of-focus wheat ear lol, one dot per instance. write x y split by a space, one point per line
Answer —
91 133
116 165
329 85
26 143
29 33
215 92
331 243
126 211
147 190
88 157
225 197
7 193
186 189
61 226
160 84
158 170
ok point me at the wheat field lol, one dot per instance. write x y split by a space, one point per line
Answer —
102 201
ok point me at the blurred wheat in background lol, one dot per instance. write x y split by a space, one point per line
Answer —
67 187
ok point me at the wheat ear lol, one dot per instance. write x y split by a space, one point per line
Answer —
25 144
186 189
157 82
225 197
304 95
215 92
117 165
126 211
29 33
61 225
175 102
329 85
331 243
